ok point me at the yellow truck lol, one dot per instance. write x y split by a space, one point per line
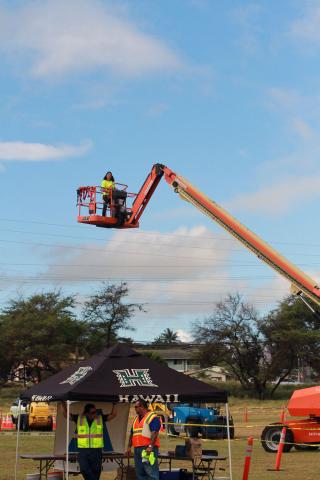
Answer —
161 410
34 415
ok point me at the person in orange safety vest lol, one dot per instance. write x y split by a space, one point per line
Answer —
144 437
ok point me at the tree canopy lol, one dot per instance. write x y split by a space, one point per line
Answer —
42 332
106 313
295 329
258 350
167 337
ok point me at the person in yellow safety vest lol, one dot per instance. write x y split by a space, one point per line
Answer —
144 438
89 435
107 185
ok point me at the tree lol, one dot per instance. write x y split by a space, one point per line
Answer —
42 332
256 350
168 337
293 326
155 356
105 314
5 357
231 336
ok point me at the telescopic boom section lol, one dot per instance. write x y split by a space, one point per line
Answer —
301 282
146 191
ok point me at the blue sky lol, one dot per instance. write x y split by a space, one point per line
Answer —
225 93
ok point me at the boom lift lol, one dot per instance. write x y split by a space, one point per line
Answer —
303 434
125 209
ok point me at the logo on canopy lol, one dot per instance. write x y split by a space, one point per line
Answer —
135 377
77 375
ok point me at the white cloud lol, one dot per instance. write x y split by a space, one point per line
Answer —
248 18
100 96
284 98
280 197
306 28
293 104
181 273
297 162
35 152
62 37
293 177
298 112
184 336
303 129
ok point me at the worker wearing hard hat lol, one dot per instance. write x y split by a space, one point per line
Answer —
107 186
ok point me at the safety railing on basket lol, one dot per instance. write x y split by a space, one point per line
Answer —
95 199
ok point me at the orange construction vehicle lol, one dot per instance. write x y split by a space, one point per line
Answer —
301 434
124 211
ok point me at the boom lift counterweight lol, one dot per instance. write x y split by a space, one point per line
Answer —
121 215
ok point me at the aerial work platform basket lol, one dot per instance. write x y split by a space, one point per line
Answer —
110 209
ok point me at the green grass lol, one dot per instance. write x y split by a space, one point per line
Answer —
295 464
7 396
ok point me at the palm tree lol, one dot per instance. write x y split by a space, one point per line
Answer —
168 337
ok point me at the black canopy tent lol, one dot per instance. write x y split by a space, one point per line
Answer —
120 374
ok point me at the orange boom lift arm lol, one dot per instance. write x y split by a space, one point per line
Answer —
301 283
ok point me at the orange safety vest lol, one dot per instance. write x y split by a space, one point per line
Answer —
141 433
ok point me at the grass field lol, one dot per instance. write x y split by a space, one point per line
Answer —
295 465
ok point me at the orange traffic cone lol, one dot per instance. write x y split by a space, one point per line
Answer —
246 415
247 459
283 414
280 448
5 422
10 425
162 425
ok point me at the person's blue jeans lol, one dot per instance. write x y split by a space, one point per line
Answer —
90 461
145 471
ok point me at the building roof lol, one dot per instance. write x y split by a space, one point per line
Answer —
172 353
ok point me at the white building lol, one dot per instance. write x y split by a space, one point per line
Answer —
179 359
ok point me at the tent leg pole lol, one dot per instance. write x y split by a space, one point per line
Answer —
17 442
67 439
166 426
229 442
